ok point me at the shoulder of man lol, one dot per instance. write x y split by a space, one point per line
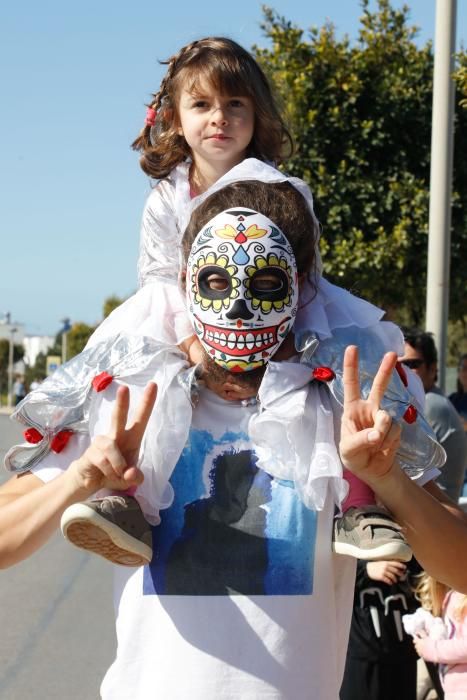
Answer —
441 413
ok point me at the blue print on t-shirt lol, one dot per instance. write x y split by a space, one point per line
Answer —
232 528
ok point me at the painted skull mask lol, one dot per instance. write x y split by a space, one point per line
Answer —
242 288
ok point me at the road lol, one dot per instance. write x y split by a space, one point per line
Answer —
56 618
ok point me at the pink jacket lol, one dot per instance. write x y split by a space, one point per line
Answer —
451 652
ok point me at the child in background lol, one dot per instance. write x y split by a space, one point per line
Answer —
381 663
213 122
449 653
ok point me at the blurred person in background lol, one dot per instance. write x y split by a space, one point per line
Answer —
381 661
19 390
421 356
459 397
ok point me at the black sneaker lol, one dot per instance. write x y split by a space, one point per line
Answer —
370 533
113 527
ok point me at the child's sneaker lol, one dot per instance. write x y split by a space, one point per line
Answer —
369 532
113 527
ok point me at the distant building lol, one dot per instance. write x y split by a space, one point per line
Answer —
34 344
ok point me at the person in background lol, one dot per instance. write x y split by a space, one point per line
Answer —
381 661
459 397
19 390
421 356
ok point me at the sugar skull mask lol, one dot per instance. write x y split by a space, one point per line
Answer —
242 288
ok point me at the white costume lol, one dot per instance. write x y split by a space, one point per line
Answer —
155 319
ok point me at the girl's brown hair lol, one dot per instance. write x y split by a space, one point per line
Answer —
230 70
280 202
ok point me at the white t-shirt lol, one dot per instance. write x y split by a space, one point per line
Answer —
243 598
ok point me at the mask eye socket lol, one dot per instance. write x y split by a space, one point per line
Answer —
214 282
270 284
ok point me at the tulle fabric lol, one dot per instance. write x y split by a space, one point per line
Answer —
295 430
68 400
295 436
167 430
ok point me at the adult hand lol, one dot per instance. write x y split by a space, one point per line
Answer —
369 437
386 571
110 460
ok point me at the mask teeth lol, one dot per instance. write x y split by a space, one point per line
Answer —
239 343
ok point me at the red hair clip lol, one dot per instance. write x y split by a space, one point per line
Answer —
150 116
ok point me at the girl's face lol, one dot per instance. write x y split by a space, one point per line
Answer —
218 128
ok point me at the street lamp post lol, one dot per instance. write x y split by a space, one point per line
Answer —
439 239
10 367
65 329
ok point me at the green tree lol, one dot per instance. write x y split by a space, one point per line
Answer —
360 113
38 370
457 333
77 338
110 304
461 77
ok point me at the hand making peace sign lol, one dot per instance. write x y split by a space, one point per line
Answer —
369 437
110 460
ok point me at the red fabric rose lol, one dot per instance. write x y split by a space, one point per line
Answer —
60 441
323 374
410 416
33 436
102 381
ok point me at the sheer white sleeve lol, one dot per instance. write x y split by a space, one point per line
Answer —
159 252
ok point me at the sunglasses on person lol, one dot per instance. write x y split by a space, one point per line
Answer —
413 363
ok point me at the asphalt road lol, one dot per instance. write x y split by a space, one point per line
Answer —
56 617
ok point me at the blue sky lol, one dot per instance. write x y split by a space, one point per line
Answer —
75 77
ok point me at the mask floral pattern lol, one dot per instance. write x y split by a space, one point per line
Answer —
242 288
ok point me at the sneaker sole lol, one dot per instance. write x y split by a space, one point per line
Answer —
87 530
390 551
